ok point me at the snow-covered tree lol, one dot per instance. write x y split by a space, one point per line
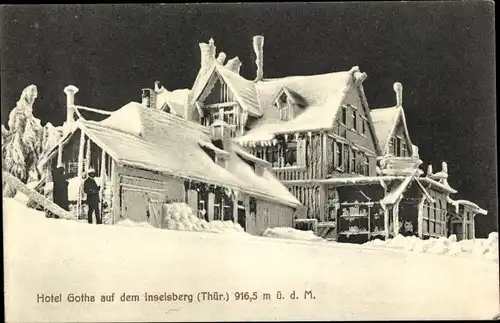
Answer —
25 140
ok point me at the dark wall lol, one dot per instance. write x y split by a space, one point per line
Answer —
442 52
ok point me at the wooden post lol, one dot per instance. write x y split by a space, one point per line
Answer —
464 224
473 235
79 208
395 218
386 220
87 155
211 202
369 223
322 203
235 207
115 187
59 156
420 218
103 183
80 154
325 155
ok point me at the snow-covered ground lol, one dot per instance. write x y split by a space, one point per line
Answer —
347 281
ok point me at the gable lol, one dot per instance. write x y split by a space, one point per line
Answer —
359 127
401 132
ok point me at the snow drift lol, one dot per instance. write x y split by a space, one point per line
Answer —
478 248
179 216
292 234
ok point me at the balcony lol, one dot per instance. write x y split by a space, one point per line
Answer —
290 173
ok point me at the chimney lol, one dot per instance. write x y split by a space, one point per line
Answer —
429 170
234 64
207 54
221 58
159 87
70 91
149 98
258 47
398 88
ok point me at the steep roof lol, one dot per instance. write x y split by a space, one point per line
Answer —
175 100
154 140
243 89
385 121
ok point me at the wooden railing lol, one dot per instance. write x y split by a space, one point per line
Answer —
290 173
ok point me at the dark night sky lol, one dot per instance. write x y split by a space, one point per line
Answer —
442 52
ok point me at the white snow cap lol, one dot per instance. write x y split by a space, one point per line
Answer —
398 88
258 47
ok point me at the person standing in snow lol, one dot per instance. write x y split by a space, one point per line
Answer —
60 191
91 189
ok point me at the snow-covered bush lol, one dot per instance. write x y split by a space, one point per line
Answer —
291 233
476 248
179 216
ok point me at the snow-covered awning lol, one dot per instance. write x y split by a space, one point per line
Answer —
472 205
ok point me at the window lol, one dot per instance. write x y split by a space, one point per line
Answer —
229 116
355 120
291 153
366 166
353 161
397 147
344 115
403 149
285 113
338 153
272 155
364 125
346 159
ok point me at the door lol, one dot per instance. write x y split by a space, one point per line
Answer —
155 213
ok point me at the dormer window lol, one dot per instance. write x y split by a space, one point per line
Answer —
288 103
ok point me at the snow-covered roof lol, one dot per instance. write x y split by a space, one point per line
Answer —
155 140
243 89
175 100
474 206
322 95
385 121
